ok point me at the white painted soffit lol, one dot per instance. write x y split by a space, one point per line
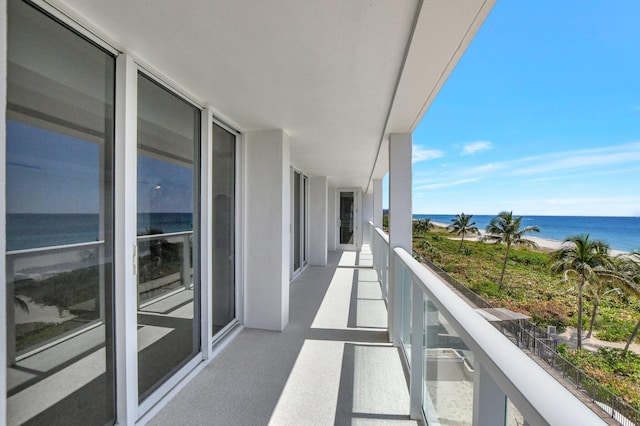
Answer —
325 71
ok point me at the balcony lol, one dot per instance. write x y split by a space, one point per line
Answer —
334 364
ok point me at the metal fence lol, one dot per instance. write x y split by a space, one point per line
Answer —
544 345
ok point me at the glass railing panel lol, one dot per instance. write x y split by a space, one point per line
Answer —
513 416
407 290
165 264
448 372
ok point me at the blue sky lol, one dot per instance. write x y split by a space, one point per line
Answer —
541 116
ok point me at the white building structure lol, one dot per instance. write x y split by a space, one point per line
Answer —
170 167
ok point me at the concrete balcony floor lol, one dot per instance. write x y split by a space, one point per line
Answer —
331 365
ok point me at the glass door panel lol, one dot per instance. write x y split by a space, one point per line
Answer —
168 286
223 279
297 213
346 224
59 224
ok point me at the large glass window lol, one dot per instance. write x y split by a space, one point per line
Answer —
297 225
223 193
168 282
299 186
59 214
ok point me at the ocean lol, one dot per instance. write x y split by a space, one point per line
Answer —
41 230
621 233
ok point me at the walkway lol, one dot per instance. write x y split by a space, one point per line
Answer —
331 365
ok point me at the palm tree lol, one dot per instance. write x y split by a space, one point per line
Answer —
617 277
505 229
586 259
460 225
632 272
421 225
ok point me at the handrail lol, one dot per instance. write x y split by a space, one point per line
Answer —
54 248
382 234
509 367
90 243
168 234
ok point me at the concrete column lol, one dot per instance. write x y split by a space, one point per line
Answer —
489 401
367 215
332 221
377 202
267 233
400 221
318 220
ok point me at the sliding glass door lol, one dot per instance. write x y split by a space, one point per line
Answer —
299 188
61 218
59 214
348 204
223 289
168 247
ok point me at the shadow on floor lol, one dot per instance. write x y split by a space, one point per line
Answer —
331 365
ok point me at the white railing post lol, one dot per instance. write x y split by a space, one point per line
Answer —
417 352
489 401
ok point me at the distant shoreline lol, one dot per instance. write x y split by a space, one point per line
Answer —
622 234
546 244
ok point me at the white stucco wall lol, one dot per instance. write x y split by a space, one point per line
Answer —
267 239
318 220
377 202
332 218
367 215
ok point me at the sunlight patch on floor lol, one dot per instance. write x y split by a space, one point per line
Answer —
367 398
334 310
311 393
348 258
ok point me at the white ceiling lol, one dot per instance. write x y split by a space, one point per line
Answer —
337 75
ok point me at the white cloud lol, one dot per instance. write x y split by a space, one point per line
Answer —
420 154
473 147
577 206
579 159
445 184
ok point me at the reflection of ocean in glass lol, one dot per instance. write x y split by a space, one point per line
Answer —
26 231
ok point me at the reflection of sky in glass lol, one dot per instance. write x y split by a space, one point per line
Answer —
164 187
49 172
